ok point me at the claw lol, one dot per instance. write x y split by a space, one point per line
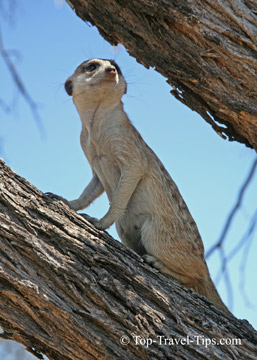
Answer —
94 221
55 197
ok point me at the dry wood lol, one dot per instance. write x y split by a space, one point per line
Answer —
70 291
206 49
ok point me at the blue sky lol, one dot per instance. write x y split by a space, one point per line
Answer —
52 41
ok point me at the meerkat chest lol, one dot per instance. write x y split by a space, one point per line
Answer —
94 148
102 161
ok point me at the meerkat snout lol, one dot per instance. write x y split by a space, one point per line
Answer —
111 70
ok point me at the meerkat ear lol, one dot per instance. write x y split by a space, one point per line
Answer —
68 86
126 88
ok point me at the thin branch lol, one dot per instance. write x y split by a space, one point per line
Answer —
4 106
246 242
233 211
8 13
247 236
242 268
21 87
225 272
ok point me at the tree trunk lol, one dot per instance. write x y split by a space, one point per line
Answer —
206 49
70 291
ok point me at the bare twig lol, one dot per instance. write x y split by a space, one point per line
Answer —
21 87
242 268
226 278
4 106
244 241
8 12
246 238
233 211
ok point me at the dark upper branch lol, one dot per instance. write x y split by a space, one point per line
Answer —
206 49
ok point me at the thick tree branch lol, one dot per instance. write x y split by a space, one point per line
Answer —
206 49
70 291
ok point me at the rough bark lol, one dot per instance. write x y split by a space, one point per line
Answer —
70 291
206 49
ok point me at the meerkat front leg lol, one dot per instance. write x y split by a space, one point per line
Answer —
129 179
93 190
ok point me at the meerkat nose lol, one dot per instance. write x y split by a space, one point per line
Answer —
111 70
68 86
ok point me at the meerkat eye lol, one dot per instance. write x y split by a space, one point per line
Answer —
89 68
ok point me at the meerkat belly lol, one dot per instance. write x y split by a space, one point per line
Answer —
130 225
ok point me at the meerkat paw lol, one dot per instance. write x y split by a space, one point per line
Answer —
94 221
158 265
55 197
153 261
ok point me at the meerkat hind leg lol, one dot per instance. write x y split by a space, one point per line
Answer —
158 264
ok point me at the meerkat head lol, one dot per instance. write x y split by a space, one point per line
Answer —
94 81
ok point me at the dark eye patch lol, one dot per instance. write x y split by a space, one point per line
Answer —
89 67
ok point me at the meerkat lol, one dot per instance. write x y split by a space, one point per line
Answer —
150 215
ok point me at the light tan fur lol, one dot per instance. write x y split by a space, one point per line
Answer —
150 215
